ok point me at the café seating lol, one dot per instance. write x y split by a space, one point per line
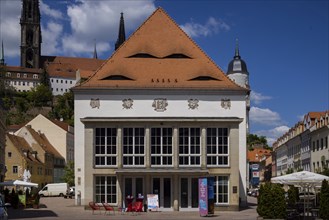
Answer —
95 207
108 208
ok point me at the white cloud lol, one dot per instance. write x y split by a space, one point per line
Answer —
50 36
90 20
212 26
273 134
9 27
53 13
264 116
258 98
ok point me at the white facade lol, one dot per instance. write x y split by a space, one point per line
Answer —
60 85
209 111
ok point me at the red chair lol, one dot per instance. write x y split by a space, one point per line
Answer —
94 207
108 208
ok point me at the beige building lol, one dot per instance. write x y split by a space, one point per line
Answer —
59 134
54 163
19 157
304 146
2 143
156 116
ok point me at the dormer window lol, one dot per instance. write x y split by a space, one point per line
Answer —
25 75
35 76
178 56
142 55
116 77
204 78
8 74
18 75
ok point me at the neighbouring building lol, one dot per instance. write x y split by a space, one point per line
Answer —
54 163
59 134
256 162
2 143
156 116
304 146
19 157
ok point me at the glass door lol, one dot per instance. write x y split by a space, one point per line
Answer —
184 193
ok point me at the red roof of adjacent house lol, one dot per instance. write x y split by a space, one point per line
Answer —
257 154
159 55
66 67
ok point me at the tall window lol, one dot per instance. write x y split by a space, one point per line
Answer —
221 190
133 146
105 147
161 146
106 189
15 169
217 147
189 146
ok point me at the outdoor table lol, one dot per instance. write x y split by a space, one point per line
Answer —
139 204
129 201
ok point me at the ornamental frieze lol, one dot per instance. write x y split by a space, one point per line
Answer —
226 103
127 103
193 103
160 104
94 103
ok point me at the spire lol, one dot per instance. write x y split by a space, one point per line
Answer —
95 51
237 52
2 60
122 35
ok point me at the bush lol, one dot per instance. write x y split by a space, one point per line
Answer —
293 196
324 200
271 201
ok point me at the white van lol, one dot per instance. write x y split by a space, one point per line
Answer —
54 189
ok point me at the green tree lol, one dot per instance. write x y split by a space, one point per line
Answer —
324 200
40 96
325 171
44 80
64 108
254 139
271 201
69 173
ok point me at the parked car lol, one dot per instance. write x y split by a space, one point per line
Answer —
54 189
3 209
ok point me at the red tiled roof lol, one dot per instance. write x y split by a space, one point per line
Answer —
257 154
159 55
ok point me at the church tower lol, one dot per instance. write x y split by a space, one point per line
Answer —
30 34
122 35
237 72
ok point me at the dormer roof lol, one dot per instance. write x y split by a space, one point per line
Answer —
159 55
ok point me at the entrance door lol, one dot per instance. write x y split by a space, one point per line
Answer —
162 187
133 186
189 193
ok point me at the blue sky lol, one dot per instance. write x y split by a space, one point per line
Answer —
284 43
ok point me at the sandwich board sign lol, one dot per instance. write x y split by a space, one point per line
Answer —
152 202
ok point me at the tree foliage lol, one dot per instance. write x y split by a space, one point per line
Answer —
254 139
69 173
271 201
293 196
64 108
324 200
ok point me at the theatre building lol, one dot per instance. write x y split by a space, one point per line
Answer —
156 116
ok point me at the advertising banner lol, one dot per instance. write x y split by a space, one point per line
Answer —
203 196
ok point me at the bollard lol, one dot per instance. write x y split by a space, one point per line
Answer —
79 198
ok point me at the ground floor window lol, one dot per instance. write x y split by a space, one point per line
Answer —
221 189
106 189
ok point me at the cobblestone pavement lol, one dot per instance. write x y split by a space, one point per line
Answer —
60 208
